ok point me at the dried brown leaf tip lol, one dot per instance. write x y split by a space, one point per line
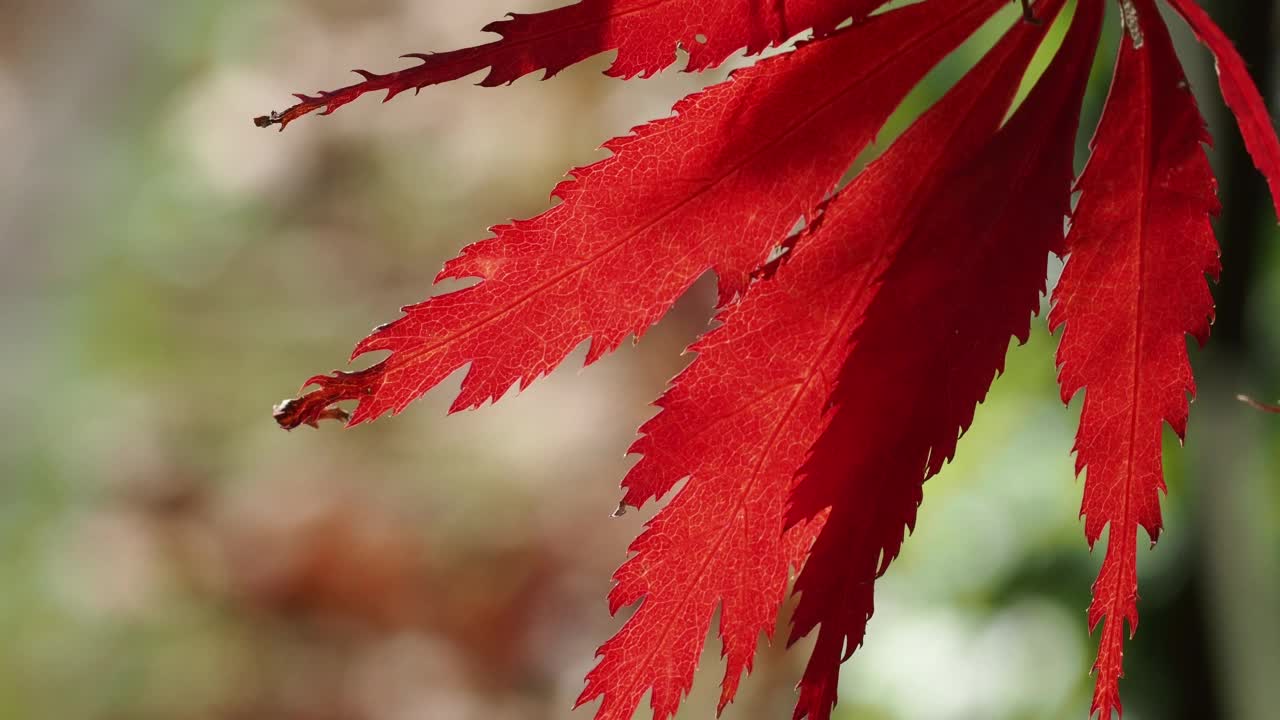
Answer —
266 121
293 412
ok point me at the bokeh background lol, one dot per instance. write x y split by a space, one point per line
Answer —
168 271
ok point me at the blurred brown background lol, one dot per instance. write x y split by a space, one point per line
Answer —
168 271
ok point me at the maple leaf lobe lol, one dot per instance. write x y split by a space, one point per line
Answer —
645 33
909 389
1140 249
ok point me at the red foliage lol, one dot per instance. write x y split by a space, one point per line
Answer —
755 155
846 369
645 33
1240 93
1140 247
908 389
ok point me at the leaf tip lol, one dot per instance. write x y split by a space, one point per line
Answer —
294 412
266 121
1258 404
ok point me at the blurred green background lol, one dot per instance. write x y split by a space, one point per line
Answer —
168 271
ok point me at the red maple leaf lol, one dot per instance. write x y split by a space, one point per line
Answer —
854 352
